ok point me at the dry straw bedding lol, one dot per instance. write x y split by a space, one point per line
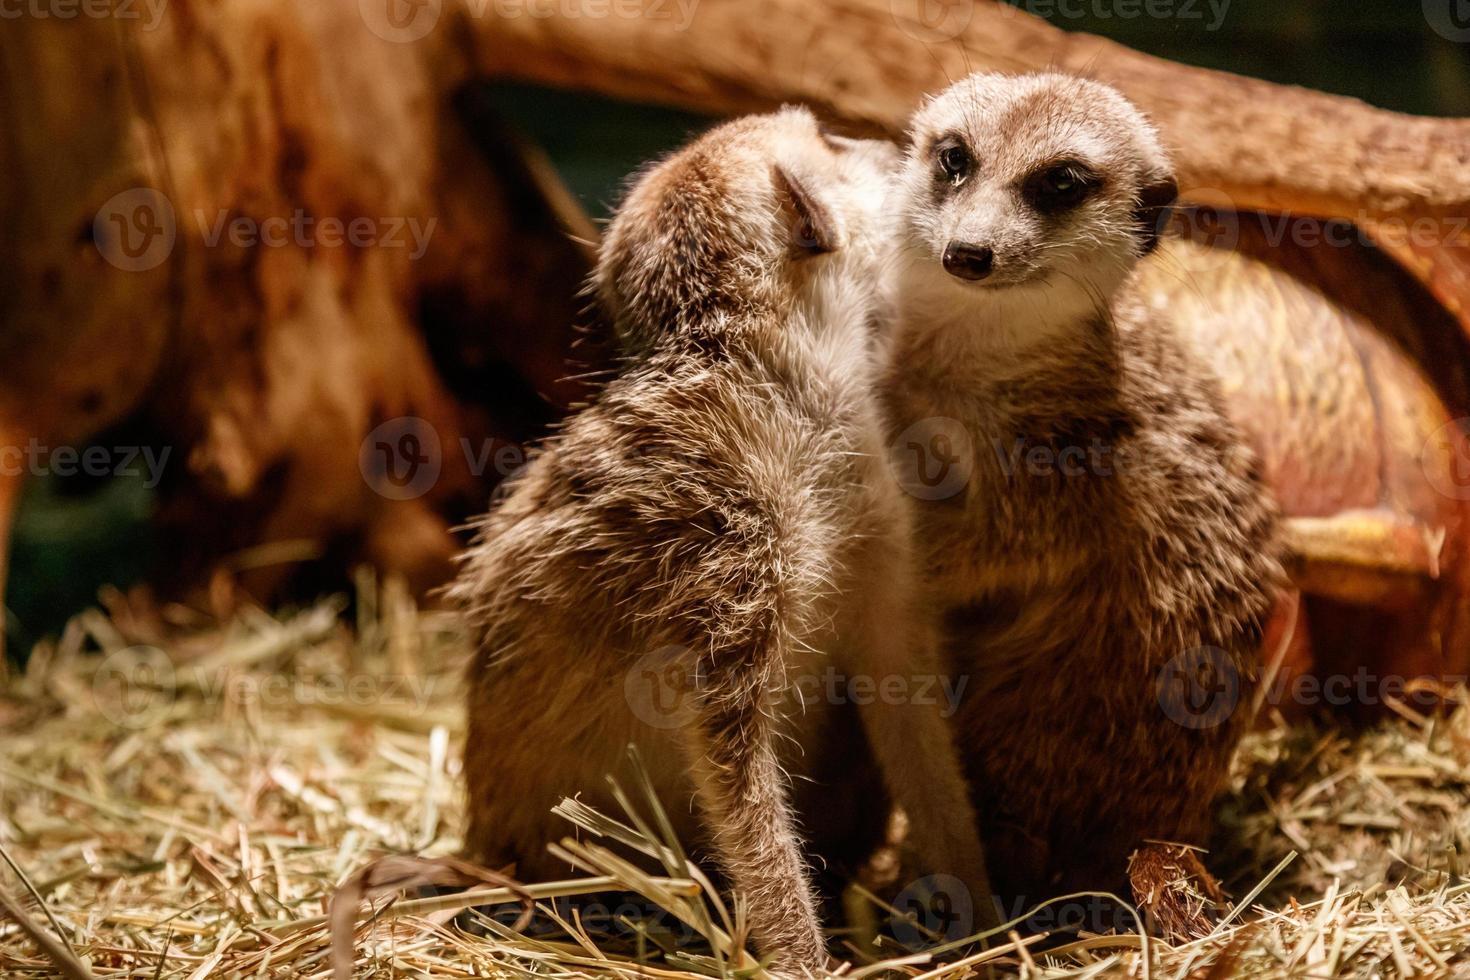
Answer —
180 798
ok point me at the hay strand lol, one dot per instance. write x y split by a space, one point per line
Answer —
203 798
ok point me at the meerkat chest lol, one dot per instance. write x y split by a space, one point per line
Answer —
1012 500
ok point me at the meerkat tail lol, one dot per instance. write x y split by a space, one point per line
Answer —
732 745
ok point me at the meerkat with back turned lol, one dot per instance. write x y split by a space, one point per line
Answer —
724 508
1113 530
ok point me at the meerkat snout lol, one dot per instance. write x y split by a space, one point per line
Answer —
1046 183
965 261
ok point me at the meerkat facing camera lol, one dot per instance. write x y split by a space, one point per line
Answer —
1113 542
724 506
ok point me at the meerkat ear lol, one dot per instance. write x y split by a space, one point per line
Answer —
811 229
1155 205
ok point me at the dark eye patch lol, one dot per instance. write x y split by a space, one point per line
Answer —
954 160
1060 186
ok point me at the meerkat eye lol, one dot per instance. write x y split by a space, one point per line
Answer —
1059 187
1060 181
955 160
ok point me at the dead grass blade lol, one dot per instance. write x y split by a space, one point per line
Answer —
398 873
214 826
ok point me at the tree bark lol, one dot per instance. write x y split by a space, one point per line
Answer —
1257 144
168 258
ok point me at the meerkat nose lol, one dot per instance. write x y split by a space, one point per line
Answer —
965 261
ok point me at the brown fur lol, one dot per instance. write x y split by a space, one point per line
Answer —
724 500
1113 520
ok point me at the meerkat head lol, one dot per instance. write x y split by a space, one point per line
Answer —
1045 188
761 211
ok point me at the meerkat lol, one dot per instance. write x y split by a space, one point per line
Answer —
1111 546
721 512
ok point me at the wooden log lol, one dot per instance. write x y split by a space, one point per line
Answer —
1262 145
268 236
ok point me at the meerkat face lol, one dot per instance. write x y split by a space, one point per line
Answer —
765 209
1046 185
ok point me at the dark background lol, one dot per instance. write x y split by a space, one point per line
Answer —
76 535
